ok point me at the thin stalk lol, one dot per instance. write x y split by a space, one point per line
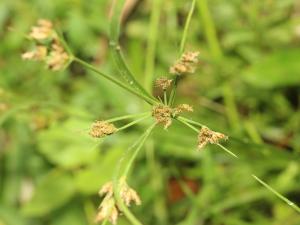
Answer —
191 121
210 30
126 117
151 43
181 50
115 81
287 201
228 151
121 173
187 124
133 122
122 67
186 27
165 98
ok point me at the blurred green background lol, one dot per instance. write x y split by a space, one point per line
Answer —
247 86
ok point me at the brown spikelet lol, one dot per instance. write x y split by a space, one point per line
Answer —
162 115
182 108
38 54
208 136
101 129
43 30
186 64
57 58
163 83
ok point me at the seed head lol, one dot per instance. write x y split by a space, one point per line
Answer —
163 83
182 108
186 64
208 136
57 58
42 31
38 54
162 115
108 208
101 129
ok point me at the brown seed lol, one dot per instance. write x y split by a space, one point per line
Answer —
101 129
208 136
162 115
163 83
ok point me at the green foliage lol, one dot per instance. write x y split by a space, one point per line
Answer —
247 86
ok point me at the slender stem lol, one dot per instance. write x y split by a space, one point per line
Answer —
181 50
187 124
115 81
227 150
191 121
186 27
122 172
165 98
133 122
151 43
119 60
210 30
290 203
126 117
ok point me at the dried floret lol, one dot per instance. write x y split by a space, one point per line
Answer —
38 54
186 64
42 31
162 115
208 136
101 129
182 108
163 83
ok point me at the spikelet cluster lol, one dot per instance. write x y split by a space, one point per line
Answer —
48 47
186 64
101 129
208 136
108 208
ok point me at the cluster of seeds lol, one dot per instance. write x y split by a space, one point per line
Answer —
208 136
186 64
108 208
101 129
48 47
163 83
163 114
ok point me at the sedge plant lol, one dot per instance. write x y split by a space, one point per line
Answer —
52 49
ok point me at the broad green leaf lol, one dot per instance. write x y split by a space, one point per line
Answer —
67 145
279 69
53 191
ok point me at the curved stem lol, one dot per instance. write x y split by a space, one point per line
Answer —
126 117
115 81
191 121
123 69
133 122
186 27
121 173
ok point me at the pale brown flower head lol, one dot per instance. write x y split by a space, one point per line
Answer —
162 115
129 195
190 57
42 31
182 108
208 136
107 210
101 129
38 54
57 58
163 83
186 64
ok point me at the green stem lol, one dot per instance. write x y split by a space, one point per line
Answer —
123 170
165 97
228 151
133 122
115 81
210 30
191 121
187 124
290 203
123 69
126 117
151 43
181 50
186 27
